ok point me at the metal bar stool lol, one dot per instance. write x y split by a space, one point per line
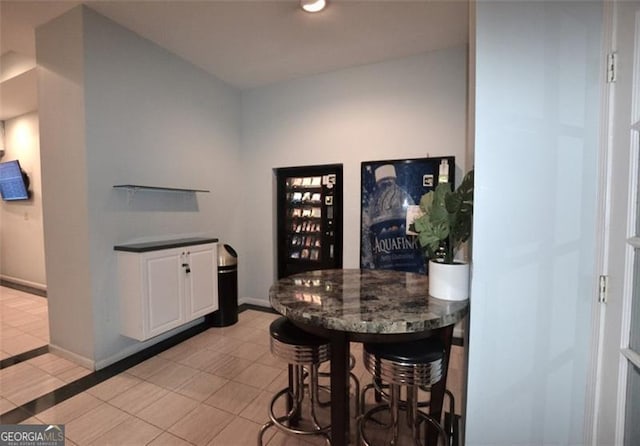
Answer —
413 365
450 421
301 350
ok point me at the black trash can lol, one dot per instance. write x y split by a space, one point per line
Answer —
227 313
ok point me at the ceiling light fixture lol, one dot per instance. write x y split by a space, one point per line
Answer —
313 5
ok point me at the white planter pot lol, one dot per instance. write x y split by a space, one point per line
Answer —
449 282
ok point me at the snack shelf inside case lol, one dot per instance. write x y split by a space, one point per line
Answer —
309 214
304 195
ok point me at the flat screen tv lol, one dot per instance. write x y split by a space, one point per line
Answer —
14 183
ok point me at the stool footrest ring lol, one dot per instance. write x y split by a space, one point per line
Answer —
279 422
443 438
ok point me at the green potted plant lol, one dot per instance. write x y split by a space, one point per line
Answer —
442 228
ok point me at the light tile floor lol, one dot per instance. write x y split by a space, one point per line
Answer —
25 381
212 389
24 322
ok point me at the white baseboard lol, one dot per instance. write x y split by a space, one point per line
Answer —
135 348
254 301
27 283
73 357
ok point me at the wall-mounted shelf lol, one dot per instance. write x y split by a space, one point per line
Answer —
135 187
164 244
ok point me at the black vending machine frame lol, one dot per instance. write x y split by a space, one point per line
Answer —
331 229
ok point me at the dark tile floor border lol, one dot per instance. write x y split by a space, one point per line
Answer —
67 391
21 357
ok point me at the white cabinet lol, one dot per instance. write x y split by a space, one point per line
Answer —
163 282
203 283
161 289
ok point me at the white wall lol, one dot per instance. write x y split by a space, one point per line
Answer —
149 118
152 119
537 106
137 114
59 49
21 231
404 108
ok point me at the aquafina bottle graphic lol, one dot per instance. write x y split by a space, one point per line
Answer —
391 247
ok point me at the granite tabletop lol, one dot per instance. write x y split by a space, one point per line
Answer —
364 301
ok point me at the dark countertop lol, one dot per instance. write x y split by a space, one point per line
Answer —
164 244
364 301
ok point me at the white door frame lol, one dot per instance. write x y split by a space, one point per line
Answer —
604 192
603 242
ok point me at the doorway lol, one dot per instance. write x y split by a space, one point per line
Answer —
24 324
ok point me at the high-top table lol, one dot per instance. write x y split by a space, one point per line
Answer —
346 305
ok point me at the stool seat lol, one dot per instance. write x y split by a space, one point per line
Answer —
414 363
414 352
284 331
295 345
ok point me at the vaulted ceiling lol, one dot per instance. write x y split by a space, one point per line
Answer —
254 43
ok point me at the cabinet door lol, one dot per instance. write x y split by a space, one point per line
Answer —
202 281
164 283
